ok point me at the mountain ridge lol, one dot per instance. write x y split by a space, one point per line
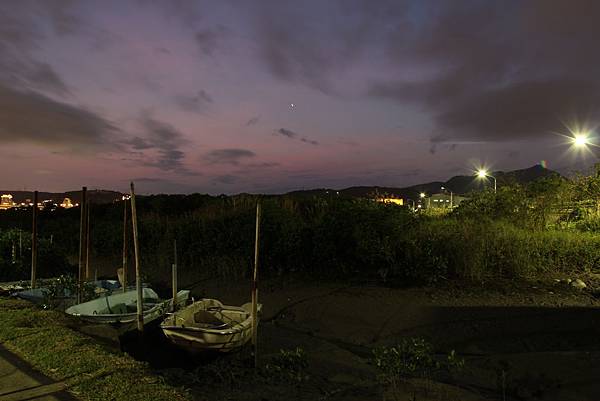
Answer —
459 184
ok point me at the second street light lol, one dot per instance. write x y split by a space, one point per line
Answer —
484 174
446 189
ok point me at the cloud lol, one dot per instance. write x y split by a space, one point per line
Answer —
294 135
287 133
19 37
194 104
228 156
44 77
306 140
252 121
262 165
497 71
226 179
28 116
161 146
207 40
300 42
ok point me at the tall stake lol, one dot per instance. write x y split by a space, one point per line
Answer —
88 269
174 275
255 288
138 277
34 241
82 218
124 283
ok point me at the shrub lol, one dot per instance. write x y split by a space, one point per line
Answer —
288 366
412 358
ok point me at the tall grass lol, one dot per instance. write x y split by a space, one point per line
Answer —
327 238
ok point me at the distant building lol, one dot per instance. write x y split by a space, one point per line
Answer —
6 202
67 203
444 200
396 201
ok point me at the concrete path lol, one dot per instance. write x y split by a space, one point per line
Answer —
19 381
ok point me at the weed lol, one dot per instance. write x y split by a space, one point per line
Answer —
288 366
412 358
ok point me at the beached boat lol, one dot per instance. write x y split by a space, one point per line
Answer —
208 325
121 308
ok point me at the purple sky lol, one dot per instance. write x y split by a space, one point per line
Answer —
186 96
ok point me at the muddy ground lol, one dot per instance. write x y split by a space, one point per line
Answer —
537 340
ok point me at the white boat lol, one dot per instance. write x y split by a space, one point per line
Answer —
121 307
208 325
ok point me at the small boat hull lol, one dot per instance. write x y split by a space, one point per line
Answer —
228 330
121 308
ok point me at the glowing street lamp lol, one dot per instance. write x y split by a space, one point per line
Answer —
422 195
581 139
482 173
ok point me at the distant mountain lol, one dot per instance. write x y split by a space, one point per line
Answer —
460 184
94 196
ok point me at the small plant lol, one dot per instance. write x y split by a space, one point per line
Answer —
289 366
412 358
63 287
231 371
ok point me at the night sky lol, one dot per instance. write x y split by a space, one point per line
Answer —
271 96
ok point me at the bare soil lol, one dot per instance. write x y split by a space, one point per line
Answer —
526 340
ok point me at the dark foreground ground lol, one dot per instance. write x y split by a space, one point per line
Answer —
520 341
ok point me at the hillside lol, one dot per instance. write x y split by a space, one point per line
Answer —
460 184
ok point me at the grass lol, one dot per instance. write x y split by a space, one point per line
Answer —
91 371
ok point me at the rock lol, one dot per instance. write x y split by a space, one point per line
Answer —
580 285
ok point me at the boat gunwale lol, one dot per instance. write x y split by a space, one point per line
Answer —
238 328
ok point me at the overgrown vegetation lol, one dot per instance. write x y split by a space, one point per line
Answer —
412 358
522 230
288 366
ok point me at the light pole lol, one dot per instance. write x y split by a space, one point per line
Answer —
446 189
422 195
484 174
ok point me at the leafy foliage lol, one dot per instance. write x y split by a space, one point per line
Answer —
288 366
412 357
519 231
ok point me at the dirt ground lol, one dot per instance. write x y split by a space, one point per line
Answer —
535 340
527 340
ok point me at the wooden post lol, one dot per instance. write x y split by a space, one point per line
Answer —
88 269
124 244
255 289
82 218
174 275
34 241
138 277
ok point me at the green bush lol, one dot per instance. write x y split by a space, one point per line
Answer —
412 358
503 235
288 366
